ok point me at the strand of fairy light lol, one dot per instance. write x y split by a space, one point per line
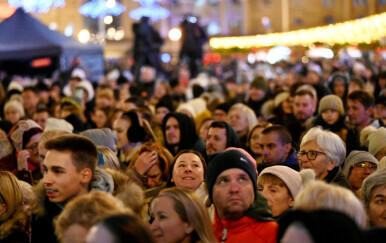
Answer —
365 30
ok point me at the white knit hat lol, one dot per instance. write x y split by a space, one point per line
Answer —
376 140
58 124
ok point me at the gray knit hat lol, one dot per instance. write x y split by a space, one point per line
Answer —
102 136
331 102
356 157
376 140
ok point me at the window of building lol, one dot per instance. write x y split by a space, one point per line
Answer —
298 22
329 20
381 2
328 3
359 3
297 3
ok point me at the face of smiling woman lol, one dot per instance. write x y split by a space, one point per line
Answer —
188 171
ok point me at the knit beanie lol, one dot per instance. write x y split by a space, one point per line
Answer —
15 104
22 132
222 161
102 136
290 177
58 124
356 157
331 102
376 140
166 101
259 83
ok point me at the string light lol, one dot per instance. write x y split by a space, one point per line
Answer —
38 6
101 8
151 9
365 30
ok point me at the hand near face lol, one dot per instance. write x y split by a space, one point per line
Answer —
22 160
145 161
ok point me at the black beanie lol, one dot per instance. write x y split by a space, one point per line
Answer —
222 161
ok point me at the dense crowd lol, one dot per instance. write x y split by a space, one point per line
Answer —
240 153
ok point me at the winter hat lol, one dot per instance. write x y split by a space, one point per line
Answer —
166 101
332 102
356 157
102 136
188 107
290 177
73 100
16 105
279 98
87 86
259 83
22 132
229 159
376 140
58 124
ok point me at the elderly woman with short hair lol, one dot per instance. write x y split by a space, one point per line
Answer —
324 152
373 197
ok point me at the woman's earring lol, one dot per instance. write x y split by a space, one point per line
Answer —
187 231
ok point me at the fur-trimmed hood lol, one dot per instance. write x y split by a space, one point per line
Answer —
127 190
18 223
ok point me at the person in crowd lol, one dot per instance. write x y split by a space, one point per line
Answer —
376 143
360 107
46 135
108 157
102 117
282 108
280 185
41 116
24 137
357 167
324 152
322 225
320 195
130 137
105 98
120 228
162 108
178 215
150 166
68 169
180 133
379 114
28 196
71 111
102 137
220 113
13 111
242 119
373 194
304 107
257 95
355 83
253 145
13 218
338 84
276 148
331 116
220 136
30 101
242 213
80 214
203 128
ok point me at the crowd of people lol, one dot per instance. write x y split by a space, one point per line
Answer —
233 155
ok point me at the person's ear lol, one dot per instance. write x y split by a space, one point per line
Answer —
86 175
287 147
172 180
189 230
331 165
291 202
370 111
3 208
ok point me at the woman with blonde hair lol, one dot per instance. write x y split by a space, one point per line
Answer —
178 215
13 219
242 119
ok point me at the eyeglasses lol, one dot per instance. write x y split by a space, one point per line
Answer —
362 166
311 155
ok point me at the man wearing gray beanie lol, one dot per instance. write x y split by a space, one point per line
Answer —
357 167
242 214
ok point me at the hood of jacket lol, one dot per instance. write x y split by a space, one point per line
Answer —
232 137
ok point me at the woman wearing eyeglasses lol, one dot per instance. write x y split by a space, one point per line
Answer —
357 167
324 152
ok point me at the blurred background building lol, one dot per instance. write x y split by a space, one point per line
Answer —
218 17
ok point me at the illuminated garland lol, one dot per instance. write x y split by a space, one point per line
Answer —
38 6
151 9
101 8
365 30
